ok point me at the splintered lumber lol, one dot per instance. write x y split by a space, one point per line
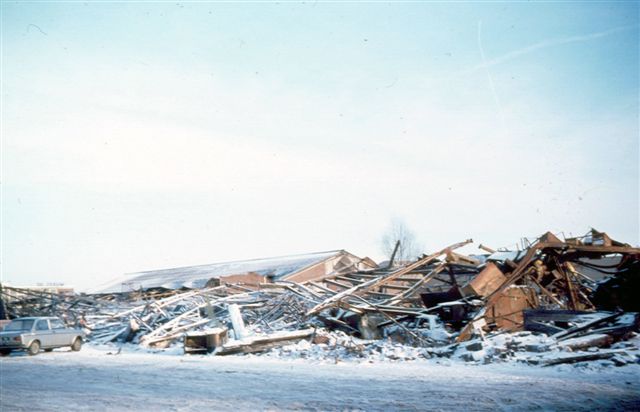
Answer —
549 250
321 287
486 248
376 282
379 310
370 275
175 333
544 320
339 284
392 286
409 268
580 328
292 286
495 294
173 325
548 294
581 358
589 341
413 289
263 343
236 321
454 257
393 254
167 301
113 336
349 279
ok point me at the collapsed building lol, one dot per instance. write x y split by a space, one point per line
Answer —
248 273
579 292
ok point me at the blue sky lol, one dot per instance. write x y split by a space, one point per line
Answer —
147 135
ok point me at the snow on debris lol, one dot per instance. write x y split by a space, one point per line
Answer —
197 276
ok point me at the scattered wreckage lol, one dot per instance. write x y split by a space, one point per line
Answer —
567 296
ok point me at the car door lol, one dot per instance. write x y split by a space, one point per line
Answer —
44 334
62 335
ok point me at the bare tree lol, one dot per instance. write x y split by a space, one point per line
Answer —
407 248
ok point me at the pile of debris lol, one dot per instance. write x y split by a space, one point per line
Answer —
564 297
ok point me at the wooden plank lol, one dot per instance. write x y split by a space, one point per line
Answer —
374 283
262 343
349 279
398 287
581 358
323 288
333 282
572 331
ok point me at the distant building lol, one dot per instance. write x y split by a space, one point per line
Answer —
53 288
296 268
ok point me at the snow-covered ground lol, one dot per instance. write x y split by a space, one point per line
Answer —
98 379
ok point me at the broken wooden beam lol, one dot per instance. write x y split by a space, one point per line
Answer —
263 343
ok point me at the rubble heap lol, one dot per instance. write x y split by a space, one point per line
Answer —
572 295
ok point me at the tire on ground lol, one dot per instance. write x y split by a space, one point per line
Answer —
34 348
76 345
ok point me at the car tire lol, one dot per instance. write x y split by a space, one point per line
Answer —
76 345
5 352
34 348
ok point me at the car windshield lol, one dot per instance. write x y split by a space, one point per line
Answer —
19 324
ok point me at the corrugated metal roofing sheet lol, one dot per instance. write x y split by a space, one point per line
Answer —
197 276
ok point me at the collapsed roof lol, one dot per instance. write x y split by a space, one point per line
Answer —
194 277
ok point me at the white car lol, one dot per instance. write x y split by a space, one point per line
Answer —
33 334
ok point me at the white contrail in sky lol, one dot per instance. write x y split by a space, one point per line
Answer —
491 84
549 43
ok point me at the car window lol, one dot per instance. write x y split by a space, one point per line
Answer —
57 324
42 324
19 324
